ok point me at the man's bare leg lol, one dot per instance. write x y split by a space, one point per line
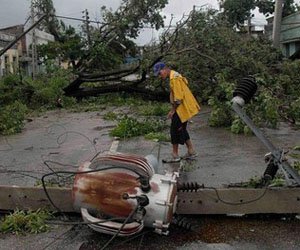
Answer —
175 150
190 147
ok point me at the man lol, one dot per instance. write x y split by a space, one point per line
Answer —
184 107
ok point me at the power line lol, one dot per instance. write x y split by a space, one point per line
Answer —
78 19
97 22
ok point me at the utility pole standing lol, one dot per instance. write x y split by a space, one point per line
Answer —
87 22
277 23
33 45
249 24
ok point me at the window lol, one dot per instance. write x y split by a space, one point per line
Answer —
15 64
6 64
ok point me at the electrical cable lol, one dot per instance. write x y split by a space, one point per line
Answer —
123 225
65 134
133 237
74 132
63 222
237 203
98 153
141 241
58 163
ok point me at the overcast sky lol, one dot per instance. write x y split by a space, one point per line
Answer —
13 12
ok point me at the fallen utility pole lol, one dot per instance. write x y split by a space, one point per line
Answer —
274 200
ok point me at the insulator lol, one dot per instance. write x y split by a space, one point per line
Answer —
188 186
246 88
270 171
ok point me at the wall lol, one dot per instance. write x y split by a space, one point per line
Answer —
290 34
9 61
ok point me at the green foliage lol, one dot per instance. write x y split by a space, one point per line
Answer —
47 90
237 126
103 101
132 15
12 118
278 181
158 136
130 127
154 109
221 114
42 93
188 165
238 11
100 48
119 99
267 108
12 88
220 117
254 182
297 166
294 110
110 116
223 57
25 222
105 57
69 50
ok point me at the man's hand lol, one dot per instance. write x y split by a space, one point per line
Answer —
171 113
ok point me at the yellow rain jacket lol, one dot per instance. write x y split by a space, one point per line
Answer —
180 92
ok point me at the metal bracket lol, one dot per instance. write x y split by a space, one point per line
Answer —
277 153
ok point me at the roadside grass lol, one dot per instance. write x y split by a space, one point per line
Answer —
154 109
15 124
22 222
130 127
158 136
110 116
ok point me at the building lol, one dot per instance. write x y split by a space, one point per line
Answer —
23 55
9 61
289 34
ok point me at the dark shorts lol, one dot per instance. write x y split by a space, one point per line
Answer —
179 134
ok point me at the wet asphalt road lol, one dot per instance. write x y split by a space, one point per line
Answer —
223 158
210 232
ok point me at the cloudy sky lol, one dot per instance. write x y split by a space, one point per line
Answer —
13 12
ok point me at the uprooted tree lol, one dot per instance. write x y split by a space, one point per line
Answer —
203 45
98 58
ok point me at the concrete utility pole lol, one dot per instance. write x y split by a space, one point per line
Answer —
277 23
33 44
87 22
249 25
